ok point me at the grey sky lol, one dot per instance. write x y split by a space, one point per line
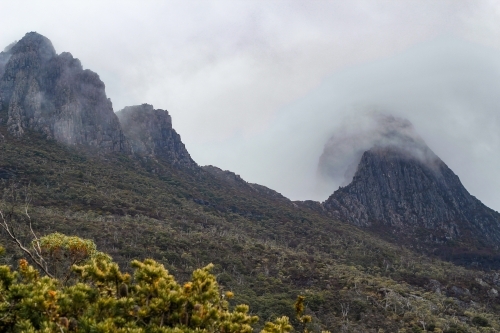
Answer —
258 87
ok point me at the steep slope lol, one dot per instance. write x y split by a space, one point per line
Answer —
267 251
52 94
150 133
414 198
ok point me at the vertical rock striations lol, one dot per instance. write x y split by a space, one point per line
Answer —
150 133
394 190
52 94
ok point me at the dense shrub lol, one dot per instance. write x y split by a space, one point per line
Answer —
103 299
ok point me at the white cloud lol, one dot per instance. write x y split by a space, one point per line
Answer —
230 71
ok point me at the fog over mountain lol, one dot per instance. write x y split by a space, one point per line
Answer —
260 88
447 88
343 151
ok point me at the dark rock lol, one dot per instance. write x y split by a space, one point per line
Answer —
457 291
496 279
150 133
435 286
53 94
406 194
4 58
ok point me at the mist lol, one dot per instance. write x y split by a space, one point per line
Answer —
343 151
447 88
260 87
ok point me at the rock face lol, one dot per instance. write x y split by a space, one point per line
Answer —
150 133
53 94
397 191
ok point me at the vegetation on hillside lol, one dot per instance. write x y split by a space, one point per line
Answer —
100 298
266 251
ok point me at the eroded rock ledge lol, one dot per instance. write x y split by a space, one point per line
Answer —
150 133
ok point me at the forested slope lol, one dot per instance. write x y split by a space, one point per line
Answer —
266 250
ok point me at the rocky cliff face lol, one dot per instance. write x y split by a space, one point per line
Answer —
150 133
53 94
397 191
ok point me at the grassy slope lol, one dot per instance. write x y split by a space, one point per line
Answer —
267 251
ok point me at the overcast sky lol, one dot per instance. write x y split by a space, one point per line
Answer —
258 87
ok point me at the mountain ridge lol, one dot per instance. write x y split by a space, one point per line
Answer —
141 202
79 113
52 94
236 181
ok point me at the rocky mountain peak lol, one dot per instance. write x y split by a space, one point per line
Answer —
36 44
53 94
411 194
343 151
150 133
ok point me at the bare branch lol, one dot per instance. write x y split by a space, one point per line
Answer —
36 242
40 262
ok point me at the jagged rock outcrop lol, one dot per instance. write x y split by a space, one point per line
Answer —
53 94
236 181
398 191
150 133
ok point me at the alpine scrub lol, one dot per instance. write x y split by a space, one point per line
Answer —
100 298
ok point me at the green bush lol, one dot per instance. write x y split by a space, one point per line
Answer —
103 299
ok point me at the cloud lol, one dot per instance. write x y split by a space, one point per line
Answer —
343 151
447 88
259 87
225 67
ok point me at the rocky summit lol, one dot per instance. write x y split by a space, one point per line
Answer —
395 190
150 133
50 93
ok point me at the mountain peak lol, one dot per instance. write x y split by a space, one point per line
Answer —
413 195
343 151
34 42
49 93
54 95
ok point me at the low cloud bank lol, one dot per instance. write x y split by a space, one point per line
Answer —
342 153
447 88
